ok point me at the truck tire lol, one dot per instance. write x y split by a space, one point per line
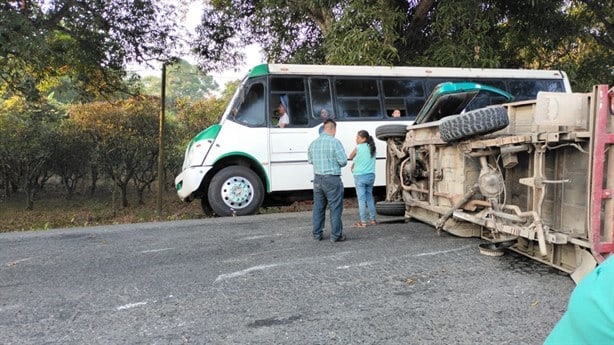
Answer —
235 190
479 121
390 208
390 131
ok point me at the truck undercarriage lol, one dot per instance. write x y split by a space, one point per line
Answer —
535 177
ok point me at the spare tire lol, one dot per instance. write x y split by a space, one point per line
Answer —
479 121
390 131
390 208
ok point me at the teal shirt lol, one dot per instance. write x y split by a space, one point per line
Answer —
327 155
589 318
363 162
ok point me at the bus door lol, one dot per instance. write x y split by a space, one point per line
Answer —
289 143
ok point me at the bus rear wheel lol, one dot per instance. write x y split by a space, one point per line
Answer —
235 190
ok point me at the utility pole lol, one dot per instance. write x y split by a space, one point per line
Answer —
161 141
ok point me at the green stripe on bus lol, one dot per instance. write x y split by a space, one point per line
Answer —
259 70
210 133
253 159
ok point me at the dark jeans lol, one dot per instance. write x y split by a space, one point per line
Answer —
327 191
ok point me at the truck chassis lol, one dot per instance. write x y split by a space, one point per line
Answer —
542 186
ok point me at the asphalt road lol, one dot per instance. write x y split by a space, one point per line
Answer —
263 280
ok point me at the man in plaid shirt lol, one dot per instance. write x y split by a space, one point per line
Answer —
327 156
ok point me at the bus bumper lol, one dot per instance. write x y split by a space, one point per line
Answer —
188 182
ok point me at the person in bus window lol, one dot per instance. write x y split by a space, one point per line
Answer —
327 156
396 113
282 110
363 169
324 115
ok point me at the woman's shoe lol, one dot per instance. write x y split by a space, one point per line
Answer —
373 222
360 225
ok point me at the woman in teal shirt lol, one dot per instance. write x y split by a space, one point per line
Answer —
363 168
589 318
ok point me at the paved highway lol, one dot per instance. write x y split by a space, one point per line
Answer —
263 280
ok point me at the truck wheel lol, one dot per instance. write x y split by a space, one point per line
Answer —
390 131
390 208
479 121
235 190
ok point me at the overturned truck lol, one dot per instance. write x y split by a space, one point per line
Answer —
535 177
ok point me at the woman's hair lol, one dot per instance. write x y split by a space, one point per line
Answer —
365 135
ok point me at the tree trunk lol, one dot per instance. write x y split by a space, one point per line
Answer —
29 198
94 176
140 193
124 191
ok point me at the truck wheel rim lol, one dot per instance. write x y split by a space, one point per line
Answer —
237 192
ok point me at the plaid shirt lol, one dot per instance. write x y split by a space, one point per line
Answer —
327 155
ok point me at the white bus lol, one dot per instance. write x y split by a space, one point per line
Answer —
232 165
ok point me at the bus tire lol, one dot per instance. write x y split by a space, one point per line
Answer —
390 131
479 121
390 208
235 190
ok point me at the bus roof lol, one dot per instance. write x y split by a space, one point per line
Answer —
401 71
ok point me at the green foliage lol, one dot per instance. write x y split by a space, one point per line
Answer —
463 34
72 153
26 131
363 33
573 35
125 136
183 80
88 41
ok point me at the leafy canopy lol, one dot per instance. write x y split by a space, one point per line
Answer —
557 34
87 40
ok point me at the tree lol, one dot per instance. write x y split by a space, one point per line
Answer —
455 33
89 41
125 135
71 155
183 80
26 131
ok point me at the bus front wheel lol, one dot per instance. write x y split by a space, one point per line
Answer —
235 190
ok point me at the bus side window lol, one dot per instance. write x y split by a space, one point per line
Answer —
406 95
528 89
321 100
251 111
294 89
413 106
357 98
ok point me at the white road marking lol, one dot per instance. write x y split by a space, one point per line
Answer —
258 237
13 263
243 272
360 264
131 305
156 250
